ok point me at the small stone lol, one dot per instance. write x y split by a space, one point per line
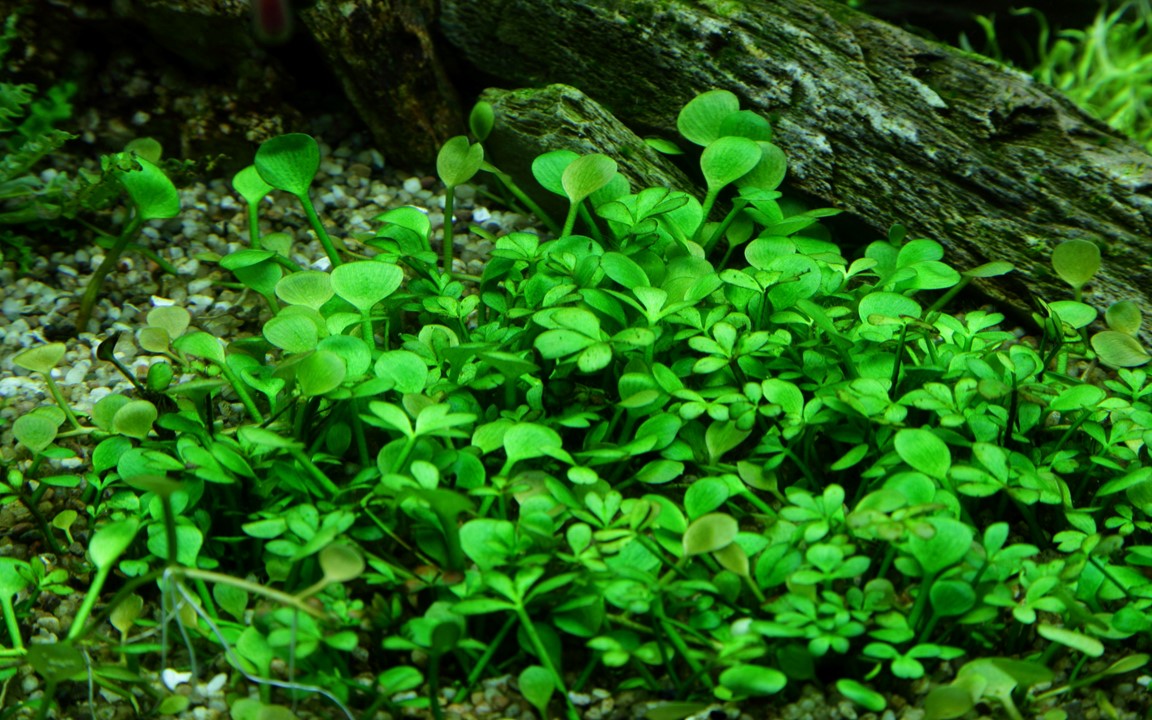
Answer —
412 185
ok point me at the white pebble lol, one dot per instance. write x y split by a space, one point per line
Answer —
412 185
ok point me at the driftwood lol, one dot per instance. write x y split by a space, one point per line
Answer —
884 124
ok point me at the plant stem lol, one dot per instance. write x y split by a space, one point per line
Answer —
318 228
88 299
449 227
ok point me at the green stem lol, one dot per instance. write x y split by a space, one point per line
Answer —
318 228
449 225
254 225
321 479
545 658
532 206
241 392
10 620
570 221
88 300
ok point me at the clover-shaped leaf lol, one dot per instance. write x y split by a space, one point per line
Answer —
311 288
710 533
41 358
251 186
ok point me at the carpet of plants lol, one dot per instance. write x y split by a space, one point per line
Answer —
690 445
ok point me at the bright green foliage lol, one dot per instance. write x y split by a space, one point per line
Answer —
721 469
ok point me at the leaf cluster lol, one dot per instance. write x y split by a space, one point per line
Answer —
682 446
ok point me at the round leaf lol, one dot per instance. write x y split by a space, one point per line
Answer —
1119 349
947 546
11 581
201 344
250 185
700 121
35 431
1075 314
726 159
769 172
293 332
1076 261
110 542
320 372
888 305
365 283
341 563
548 169
311 288
587 174
710 533
952 597
41 358
862 695
925 451
135 419
289 162
746 680
404 368
1124 316
172 318
537 686
746 123
481 120
458 161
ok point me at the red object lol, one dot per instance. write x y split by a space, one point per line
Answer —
272 20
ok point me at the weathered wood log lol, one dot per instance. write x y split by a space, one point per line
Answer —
884 124
386 58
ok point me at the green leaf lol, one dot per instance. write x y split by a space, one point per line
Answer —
1075 314
624 270
862 695
320 372
250 185
548 169
946 547
406 370
746 123
1118 349
523 441
1077 641
35 431
135 419
948 701
111 540
458 160
201 344
704 496
365 283
951 597
587 174
924 451
727 159
1078 397
289 162
41 358
537 686
701 119
481 120
341 563
11 581
293 332
173 319
992 269
769 171
752 680
1076 261
710 533
151 191
232 599
658 472
400 679
887 305
310 288
1124 316
189 540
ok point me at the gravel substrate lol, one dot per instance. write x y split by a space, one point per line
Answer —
353 187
